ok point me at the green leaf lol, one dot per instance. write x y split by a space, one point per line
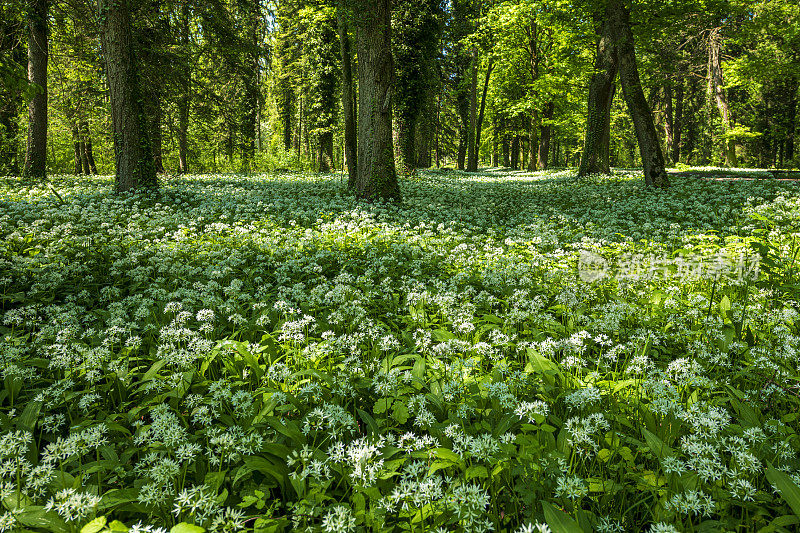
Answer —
657 446
185 527
95 525
116 525
558 520
476 471
27 420
787 487
260 464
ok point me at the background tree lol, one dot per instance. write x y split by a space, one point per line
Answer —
38 45
377 177
133 154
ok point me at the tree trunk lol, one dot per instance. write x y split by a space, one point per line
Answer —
325 152
594 158
515 153
36 151
87 150
377 177
132 151
650 150
717 86
544 136
348 100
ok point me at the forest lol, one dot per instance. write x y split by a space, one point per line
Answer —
526 266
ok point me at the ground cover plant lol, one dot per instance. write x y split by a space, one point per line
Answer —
500 352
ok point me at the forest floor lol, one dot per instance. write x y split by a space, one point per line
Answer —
503 350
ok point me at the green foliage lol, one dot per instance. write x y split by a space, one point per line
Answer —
235 353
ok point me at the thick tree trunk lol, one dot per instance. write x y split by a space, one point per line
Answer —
36 151
132 150
717 86
377 177
544 136
650 150
348 100
594 158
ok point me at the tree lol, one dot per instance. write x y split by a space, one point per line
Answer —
615 51
134 162
377 177
36 151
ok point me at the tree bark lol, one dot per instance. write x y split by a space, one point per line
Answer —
655 174
544 136
348 100
132 150
377 177
717 86
36 150
594 158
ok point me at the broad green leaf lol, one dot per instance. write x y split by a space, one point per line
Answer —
787 487
657 446
185 527
558 520
95 525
